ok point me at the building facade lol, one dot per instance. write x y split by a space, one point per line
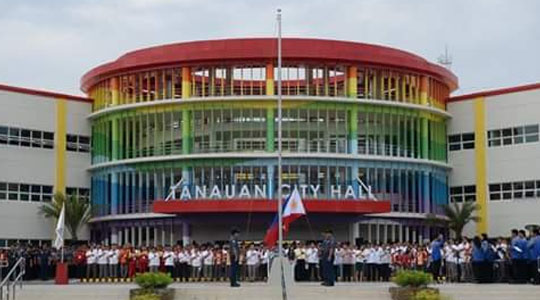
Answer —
44 148
494 151
179 143
184 140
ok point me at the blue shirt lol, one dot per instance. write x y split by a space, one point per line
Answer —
478 254
523 244
536 248
514 246
436 246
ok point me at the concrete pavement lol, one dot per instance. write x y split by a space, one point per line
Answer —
259 291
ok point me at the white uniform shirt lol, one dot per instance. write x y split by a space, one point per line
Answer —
183 257
153 259
252 257
265 256
113 256
102 257
208 258
312 255
91 257
338 256
196 259
169 257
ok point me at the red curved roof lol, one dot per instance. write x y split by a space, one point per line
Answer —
265 49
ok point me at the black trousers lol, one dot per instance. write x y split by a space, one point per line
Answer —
436 269
300 270
328 271
312 272
384 271
519 270
372 272
347 272
233 276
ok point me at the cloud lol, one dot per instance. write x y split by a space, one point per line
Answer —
50 44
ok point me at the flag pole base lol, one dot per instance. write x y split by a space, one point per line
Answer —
275 278
61 274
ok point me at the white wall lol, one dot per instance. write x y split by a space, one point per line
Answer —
20 219
505 163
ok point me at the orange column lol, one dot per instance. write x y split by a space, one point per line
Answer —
352 83
269 79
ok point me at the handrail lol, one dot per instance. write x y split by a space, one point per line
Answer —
10 284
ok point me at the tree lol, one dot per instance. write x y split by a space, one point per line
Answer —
77 211
457 216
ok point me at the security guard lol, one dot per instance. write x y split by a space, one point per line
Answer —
234 254
327 257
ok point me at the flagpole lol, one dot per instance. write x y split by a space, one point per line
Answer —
280 177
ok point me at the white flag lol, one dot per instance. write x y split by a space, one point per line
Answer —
59 241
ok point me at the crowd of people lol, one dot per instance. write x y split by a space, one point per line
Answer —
481 260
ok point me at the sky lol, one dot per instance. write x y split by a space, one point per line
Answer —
50 44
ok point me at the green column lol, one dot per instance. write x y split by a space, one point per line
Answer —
114 138
270 125
353 129
424 136
186 131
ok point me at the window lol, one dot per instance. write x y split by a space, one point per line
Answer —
23 137
513 135
459 194
25 192
3 135
78 192
48 140
461 141
514 190
3 191
77 143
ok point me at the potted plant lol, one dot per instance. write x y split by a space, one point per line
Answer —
152 286
410 283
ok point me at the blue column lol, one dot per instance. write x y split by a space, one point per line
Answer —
186 175
426 197
354 176
114 193
270 180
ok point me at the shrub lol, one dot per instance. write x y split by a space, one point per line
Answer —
414 279
148 296
429 295
151 281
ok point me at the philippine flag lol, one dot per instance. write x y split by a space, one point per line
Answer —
293 209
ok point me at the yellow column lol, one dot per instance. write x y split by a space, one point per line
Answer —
60 146
480 163
352 82
186 82
269 79
114 91
424 90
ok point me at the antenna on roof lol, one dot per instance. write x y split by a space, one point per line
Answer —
445 59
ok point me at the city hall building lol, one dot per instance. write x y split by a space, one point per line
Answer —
184 144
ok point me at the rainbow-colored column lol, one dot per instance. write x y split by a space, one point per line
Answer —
270 127
114 148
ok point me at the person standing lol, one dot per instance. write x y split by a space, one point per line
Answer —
535 246
169 258
44 262
252 260
327 256
234 256
312 257
114 255
517 254
436 257
153 259
208 263
91 260
103 261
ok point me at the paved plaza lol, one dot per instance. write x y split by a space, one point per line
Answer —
259 291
